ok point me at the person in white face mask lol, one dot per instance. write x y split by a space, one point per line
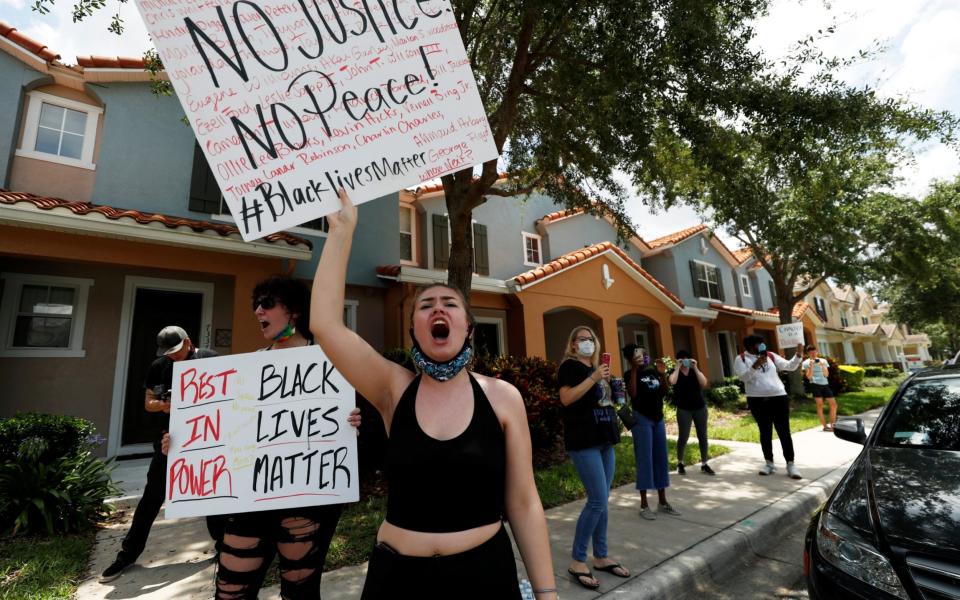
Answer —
767 398
590 429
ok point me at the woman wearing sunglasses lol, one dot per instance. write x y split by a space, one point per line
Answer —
300 536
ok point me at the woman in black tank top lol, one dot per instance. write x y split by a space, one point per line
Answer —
459 459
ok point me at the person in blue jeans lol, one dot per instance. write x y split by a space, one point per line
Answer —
647 386
590 430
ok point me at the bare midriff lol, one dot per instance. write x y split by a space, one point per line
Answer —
421 543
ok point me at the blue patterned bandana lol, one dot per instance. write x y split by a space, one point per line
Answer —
441 371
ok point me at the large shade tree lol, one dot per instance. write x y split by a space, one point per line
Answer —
580 90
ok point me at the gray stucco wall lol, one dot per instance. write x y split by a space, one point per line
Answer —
376 242
14 76
585 230
146 152
678 261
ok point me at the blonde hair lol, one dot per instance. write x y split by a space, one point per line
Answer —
569 353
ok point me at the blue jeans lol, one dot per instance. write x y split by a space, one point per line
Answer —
596 467
650 451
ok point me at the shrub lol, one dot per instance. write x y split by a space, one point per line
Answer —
536 378
64 435
58 494
873 371
890 373
852 377
724 396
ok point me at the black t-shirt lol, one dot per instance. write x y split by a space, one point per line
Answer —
160 374
686 392
648 397
586 424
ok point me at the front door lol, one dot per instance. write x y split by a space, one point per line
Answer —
149 306
724 343
153 310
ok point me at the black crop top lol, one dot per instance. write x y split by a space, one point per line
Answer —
442 486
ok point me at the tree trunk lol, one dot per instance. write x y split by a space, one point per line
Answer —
460 265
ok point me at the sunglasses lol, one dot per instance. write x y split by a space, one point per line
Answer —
266 302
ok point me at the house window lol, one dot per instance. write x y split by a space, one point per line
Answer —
820 306
407 243
350 314
707 283
488 337
532 256
844 321
59 130
440 241
42 316
865 320
745 286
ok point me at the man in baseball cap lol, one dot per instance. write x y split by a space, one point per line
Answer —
173 345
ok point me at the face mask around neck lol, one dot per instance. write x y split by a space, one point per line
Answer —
444 371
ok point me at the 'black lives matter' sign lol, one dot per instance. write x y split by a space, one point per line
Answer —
260 431
291 100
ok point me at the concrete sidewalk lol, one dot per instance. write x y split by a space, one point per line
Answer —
725 519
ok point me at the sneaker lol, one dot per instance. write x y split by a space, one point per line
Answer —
115 570
680 469
648 514
667 509
793 472
705 468
768 468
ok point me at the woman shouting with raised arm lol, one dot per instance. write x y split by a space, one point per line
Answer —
458 460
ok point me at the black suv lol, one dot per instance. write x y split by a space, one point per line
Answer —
891 528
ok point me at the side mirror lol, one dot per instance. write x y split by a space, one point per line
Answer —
850 430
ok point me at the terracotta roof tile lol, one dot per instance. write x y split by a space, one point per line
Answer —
560 215
742 254
110 62
27 43
388 270
577 256
144 218
677 236
739 310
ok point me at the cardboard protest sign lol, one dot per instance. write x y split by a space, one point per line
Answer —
260 431
790 335
291 100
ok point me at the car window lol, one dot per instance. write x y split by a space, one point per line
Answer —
926 416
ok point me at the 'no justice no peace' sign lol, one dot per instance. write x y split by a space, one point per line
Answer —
291 100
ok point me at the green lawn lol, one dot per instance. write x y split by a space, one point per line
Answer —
43 569
740 426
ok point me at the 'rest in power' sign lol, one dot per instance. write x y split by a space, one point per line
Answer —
291 100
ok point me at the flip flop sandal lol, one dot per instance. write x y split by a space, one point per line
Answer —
578 574
612 569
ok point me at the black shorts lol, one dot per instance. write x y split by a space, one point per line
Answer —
486 572
821 391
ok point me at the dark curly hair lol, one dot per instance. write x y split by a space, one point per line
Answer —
292 293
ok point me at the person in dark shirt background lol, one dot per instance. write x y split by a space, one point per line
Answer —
688 384
647 386
173 345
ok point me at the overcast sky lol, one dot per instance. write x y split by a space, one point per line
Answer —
922 60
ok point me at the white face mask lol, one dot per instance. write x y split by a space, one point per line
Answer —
586 348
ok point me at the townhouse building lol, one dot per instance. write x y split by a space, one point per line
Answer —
111 227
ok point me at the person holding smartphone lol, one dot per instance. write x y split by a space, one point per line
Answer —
817 370
590 430
688 384
647 385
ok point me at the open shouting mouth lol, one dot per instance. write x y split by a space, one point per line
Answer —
439 329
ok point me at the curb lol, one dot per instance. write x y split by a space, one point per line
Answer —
720 556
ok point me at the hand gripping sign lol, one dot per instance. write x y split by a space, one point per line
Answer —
260 431
291 100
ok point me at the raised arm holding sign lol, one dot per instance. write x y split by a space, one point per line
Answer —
459 457
291 101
